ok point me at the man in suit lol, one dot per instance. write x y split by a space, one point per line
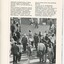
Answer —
24 42
15 52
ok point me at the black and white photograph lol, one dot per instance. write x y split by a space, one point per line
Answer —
32 40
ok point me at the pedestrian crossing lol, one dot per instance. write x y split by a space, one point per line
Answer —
34 60
26 59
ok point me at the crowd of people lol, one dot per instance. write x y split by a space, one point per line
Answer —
44 44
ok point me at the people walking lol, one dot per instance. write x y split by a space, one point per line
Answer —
41 51
15 52
20 51
36 40
24 42
30 37
50 53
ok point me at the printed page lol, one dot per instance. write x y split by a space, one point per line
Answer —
31 32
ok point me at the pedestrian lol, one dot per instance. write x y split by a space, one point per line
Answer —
24 42
29 49
30 37
36 22
54 50
20 51
50 53
15 52
40 36
36 40
15 37
18 35
12 29
41 51
46 41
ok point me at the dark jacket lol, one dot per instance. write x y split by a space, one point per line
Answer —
24 40
36 39
15 49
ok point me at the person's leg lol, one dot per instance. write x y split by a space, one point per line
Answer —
20 56
17 58
30 51
54 51
45 57
13 58
54 54
36 46
32 43
24 47
42 57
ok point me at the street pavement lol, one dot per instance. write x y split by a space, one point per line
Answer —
25 59
42 28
